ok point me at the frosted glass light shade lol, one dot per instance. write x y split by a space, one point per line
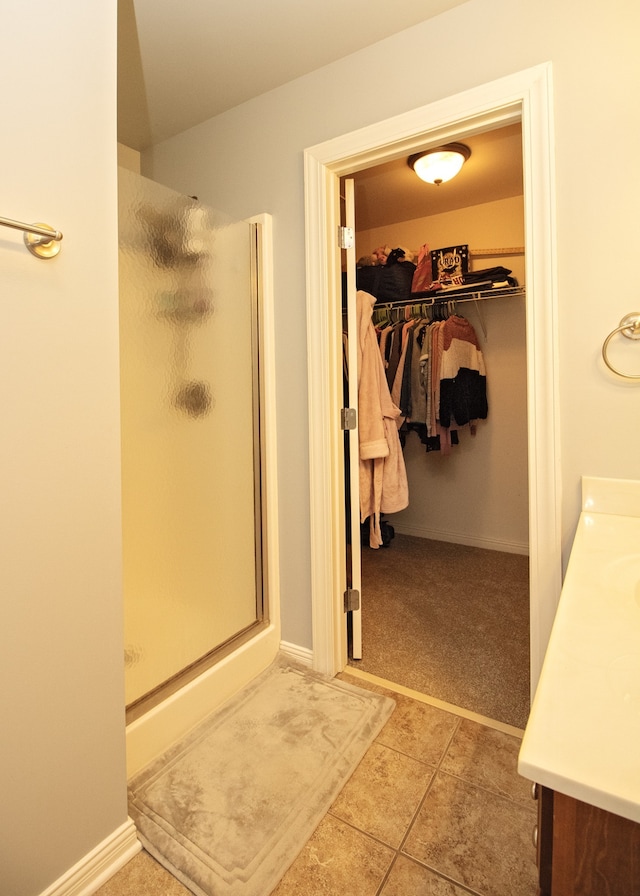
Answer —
436 166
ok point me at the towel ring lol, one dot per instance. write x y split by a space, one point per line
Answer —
629 327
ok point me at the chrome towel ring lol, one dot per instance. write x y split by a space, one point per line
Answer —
629 327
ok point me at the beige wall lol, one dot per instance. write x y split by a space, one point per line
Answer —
128 158
487 226
594 58
63 759
478 494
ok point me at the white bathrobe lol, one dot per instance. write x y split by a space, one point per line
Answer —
383 477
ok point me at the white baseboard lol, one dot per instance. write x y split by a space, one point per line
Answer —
490 544
95 869
303 654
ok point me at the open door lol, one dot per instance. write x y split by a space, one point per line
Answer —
352 451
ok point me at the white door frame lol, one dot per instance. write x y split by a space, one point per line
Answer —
526 97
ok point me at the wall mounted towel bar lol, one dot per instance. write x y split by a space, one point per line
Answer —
629 327
40 239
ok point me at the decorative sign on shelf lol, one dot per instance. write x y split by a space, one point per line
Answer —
449 265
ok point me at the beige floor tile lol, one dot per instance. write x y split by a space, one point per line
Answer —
143 876
488 758
383 794
337 860
418 729
407 878
476 838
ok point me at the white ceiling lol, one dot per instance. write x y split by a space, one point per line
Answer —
180 63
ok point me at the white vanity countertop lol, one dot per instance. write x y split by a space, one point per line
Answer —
583 733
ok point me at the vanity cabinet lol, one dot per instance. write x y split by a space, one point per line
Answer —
583 850
583 733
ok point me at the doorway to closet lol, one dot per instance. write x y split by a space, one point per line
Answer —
445 601
521 97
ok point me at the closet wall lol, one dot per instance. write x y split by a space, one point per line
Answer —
478 494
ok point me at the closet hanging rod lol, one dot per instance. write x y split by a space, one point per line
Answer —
40 239
450 296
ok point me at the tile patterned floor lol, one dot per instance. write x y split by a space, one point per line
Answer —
435 808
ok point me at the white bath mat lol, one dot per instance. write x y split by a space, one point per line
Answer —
229 809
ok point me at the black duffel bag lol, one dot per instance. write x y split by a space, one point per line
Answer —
388 282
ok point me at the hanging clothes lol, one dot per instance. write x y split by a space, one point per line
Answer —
435 372
383 477
399 394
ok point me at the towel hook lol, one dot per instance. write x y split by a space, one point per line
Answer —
629 327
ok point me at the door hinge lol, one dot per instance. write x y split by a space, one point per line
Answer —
345 237
348 418
351 600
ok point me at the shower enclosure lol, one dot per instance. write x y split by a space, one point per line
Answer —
191 447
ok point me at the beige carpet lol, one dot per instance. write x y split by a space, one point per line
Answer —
449 621
227 810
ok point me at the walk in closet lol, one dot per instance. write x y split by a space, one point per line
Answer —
445 601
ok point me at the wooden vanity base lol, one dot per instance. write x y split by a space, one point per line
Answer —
585 851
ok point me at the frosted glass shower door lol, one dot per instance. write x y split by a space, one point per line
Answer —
190 447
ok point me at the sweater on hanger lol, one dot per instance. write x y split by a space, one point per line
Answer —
383 476
463 382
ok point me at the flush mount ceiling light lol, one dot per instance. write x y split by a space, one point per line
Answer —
437 165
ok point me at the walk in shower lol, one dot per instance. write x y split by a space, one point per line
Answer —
191 446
